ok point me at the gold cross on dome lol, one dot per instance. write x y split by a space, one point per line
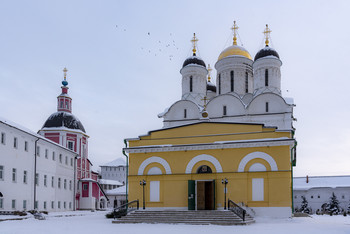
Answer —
234 29
194 41
65 73
209 72
267 32
205 102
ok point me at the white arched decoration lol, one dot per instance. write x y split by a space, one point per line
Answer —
150 160
257 167
254 155
154 171
203 157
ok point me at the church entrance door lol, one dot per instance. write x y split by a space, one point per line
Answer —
206 195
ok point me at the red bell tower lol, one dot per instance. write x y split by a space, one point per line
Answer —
64 102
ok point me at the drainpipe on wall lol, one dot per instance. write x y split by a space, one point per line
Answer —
127 171
35 152
75 182
292 152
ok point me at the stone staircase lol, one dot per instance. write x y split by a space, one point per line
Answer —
204 217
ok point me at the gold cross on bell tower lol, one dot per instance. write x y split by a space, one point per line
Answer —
209 72
234 29
65 73
267 32
194 41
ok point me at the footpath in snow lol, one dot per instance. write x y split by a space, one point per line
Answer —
95 222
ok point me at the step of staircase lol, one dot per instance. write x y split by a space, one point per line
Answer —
205 217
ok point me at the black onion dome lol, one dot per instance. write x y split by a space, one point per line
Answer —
63 119
267 51
211 87
194 60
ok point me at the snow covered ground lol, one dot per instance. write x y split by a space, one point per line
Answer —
95 222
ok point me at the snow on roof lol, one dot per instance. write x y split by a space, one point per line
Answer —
117 191
115 163
289 100
299 183
111 182
20 127
30 132
160 115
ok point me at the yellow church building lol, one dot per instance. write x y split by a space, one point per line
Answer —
232 140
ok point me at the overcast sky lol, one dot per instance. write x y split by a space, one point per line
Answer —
124 57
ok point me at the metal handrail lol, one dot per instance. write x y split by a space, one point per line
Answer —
130 206
239 211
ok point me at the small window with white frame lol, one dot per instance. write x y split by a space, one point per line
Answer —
15 142
60 158
24 204
1 172
14 175
1 203
45 180
71 145
3 138
37 179
37 150
53 156
25 174
26 146
46 153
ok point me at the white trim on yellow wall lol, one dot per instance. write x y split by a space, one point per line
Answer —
154 159
203 157
254 155
215 145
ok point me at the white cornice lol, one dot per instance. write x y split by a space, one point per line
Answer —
214 145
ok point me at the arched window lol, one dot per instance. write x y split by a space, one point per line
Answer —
224 110
232 81
219 83
191 84
185 113
267 107
246 82
266 77
204 169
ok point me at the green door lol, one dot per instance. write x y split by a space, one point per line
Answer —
191 195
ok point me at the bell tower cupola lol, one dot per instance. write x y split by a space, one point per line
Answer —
64 102
194 76
267 68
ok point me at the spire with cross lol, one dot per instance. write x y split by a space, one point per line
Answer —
209 72
194 42
234 29
205 102
267 32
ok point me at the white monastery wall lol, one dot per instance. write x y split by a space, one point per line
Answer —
18 188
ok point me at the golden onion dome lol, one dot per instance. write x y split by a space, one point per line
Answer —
234 50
